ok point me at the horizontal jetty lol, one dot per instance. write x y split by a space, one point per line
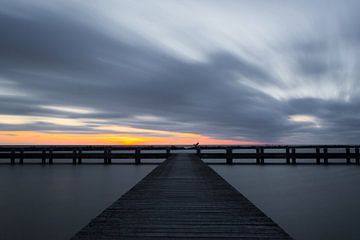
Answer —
182 198
317 154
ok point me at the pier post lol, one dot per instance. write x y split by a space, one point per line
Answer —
326 160
43 156
257 155
348 159
357 156
105 156
287 155
79 156
262 160
293 153
109 155
12 158
317 155
21 159
74 156
229 157
137 156
168 152
198 151
50 156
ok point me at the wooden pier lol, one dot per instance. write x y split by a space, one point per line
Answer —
182 198
257 154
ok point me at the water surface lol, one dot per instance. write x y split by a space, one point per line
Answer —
308 201
55 201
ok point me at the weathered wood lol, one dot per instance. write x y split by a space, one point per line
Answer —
257 155
229 156
74 156
287 155
77 154
325 150
21 158
317 155
182 198
137 156
357 155
43 156
50 156
293 154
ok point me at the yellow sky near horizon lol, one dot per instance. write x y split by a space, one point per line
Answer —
39 138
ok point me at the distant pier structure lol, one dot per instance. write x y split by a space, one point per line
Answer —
254 154
182 199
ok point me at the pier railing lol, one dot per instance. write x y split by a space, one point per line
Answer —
288 154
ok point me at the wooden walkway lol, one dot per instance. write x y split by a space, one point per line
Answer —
182 198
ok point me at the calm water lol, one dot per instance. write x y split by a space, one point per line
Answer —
54 202
309 202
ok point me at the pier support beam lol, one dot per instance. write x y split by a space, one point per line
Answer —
168 152
293 153
317 155
12 159
287 155
326 160
74 156
21 158
348 159
262 160
257 155
43 158
229 156
79 156
137 156
357 155
50 156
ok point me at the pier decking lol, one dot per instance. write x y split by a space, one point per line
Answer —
182 198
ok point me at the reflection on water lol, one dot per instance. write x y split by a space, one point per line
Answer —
53 202
309 202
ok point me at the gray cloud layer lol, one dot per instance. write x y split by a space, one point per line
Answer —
214 74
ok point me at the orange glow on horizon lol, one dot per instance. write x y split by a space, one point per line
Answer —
40 138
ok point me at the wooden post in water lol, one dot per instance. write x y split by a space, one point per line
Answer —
357 157
79 156
229 157
287 155
257 155
43 156
317 155
21 158
168 152
137 156
50 156
293 158
262 159
74 156
109 155
325 150
105 156
198 151
348 159
12 158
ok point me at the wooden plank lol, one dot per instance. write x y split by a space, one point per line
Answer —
182 198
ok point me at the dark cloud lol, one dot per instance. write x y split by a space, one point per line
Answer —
58 60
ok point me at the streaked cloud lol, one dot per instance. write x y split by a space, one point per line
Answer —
236 71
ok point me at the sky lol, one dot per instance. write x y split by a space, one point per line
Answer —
179 72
